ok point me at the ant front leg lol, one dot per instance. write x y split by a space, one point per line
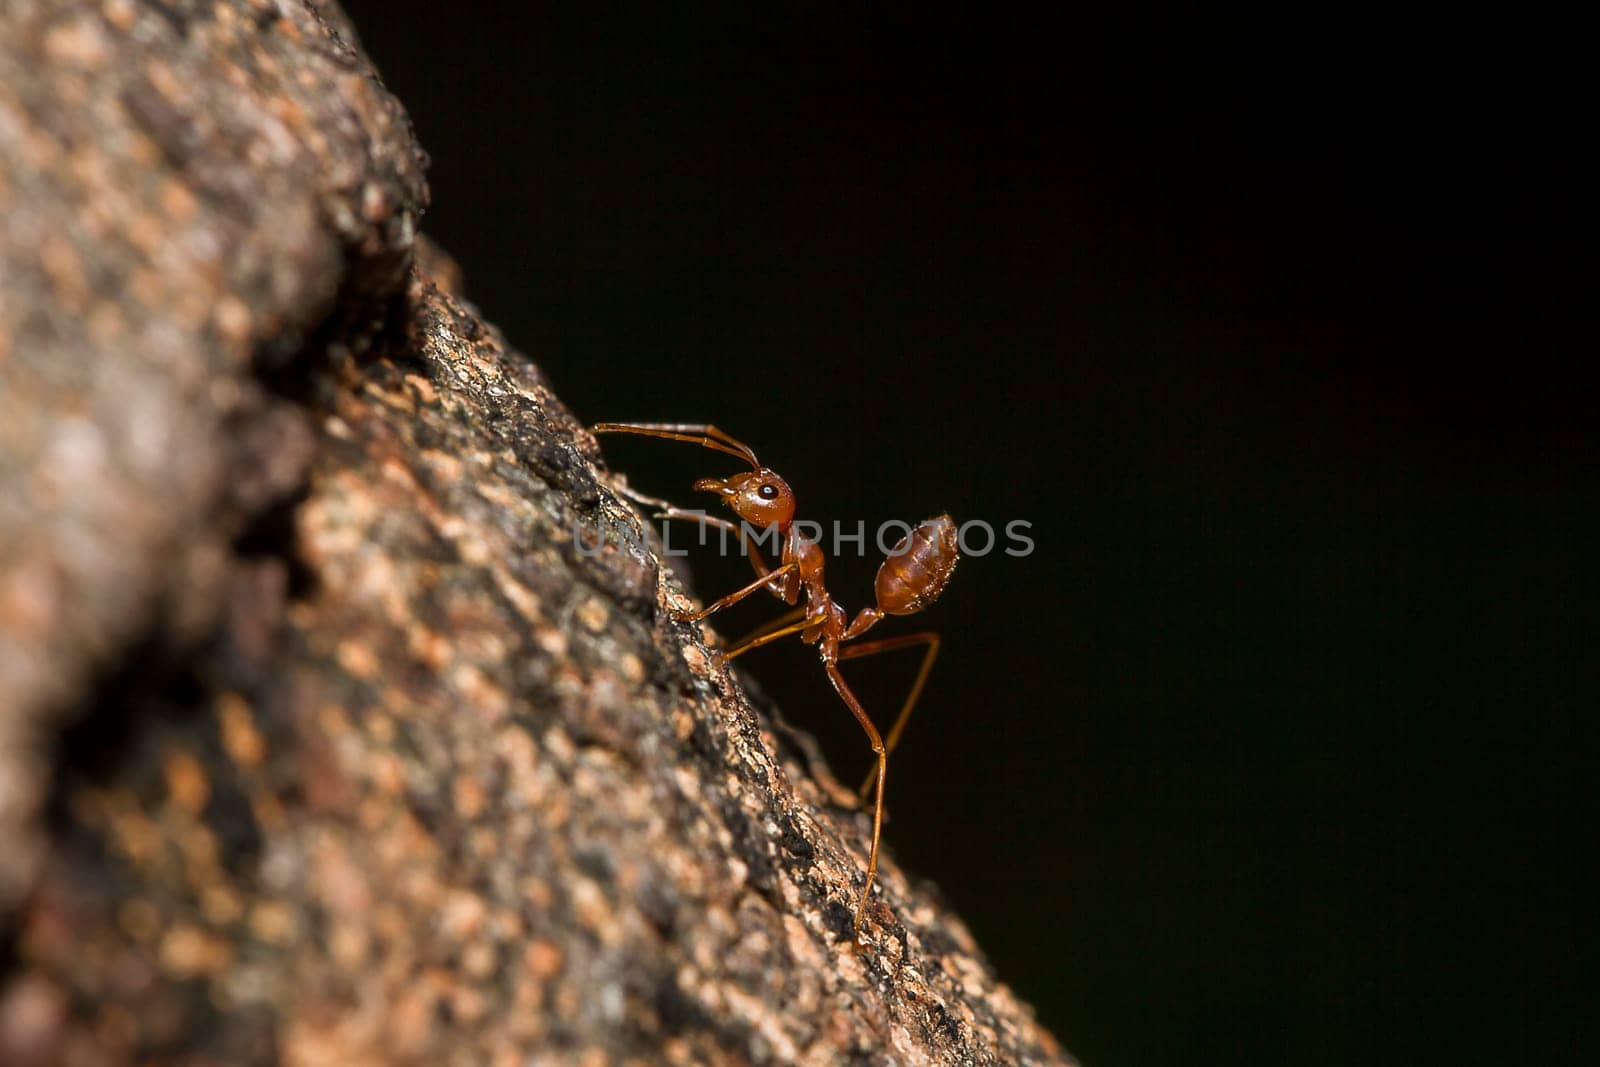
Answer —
666 509
757 562
737 595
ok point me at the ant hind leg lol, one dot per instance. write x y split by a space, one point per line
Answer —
891 644
882 753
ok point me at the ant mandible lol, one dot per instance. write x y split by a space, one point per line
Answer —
911 578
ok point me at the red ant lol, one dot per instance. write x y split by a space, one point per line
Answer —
911 578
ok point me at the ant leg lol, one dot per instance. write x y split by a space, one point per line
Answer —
854 705
891 644
756 559
695 433
665 509
737 595
637 497
790 622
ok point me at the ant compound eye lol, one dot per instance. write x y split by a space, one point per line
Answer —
768 491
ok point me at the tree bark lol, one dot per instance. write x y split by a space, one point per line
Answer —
324 735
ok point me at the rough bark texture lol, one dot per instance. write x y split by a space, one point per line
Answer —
321 740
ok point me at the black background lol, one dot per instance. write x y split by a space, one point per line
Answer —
1276 748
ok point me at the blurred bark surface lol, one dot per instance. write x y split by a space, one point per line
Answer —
323 738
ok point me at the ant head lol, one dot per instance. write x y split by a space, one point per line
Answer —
759 497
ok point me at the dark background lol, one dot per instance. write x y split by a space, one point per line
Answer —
1275 749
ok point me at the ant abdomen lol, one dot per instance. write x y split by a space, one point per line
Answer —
916 571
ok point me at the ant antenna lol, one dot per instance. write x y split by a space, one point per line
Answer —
701 434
